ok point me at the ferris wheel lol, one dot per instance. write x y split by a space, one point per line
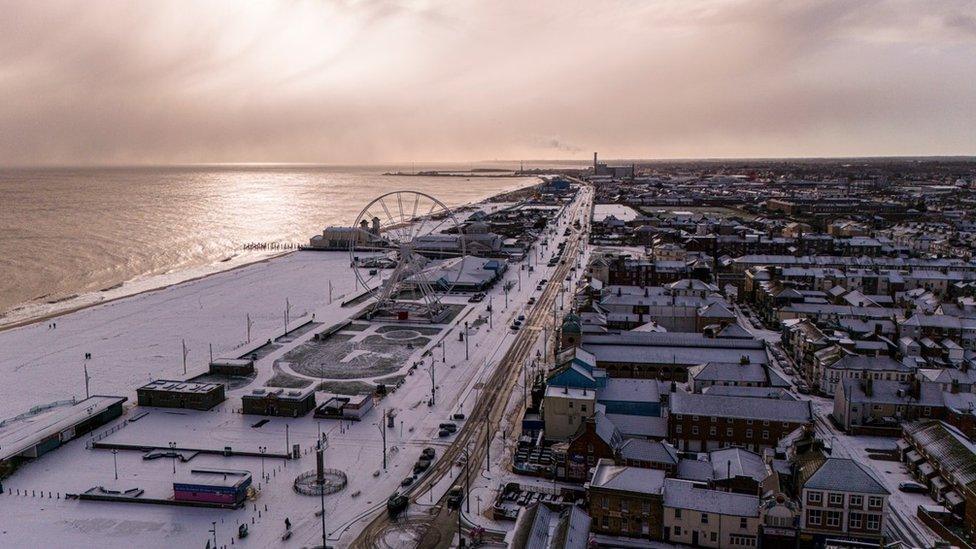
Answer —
399 235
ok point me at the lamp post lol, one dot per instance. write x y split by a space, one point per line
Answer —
466 354
172 449
262 450
115 462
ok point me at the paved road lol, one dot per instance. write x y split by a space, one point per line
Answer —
482 424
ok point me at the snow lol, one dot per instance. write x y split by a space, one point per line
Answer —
620 211
138 338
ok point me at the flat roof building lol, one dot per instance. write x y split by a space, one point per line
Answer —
279 402
165 393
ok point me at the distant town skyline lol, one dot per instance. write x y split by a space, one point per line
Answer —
386 82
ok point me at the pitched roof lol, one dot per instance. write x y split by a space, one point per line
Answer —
682 494
648 450
845 475
741 407
627 479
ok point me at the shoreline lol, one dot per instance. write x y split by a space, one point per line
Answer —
80 307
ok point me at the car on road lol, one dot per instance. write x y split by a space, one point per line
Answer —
531 301
421 466
912 487
454 497
538 287
521 318
452 427
478 297
516 326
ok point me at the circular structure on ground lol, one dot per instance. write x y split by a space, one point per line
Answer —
404 532
307 484
401 335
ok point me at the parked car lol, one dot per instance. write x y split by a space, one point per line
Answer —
452 427
407 481
428 453
531 301
458 416
521 318
912 487
444 433
480 296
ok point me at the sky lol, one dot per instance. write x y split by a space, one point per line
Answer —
383 81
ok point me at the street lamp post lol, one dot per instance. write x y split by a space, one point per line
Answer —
262 450
466 354
172 449
115 462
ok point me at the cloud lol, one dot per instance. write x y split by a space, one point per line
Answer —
386 81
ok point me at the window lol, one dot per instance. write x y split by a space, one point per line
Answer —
694 430
743 523
714 536
856 520
570 404
704 518
857 502
765 435
646 507
711 431
742 541
605 521
835 499
833 519
765 423
814 497
582 407
728 432
814 517
927 410
748 433
874 522
589 448
875 502
605 503
677 429
786 424
677 530
694 418
748 422
677 417
624 507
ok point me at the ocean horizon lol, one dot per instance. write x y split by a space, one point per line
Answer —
72 237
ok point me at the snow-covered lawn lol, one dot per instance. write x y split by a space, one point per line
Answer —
620 211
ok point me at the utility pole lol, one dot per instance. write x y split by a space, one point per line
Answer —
466 354
383 435
330 292
247 326
185 352
320 473
444 349
487 445
287 441
433 387
287 310
489 313
115 462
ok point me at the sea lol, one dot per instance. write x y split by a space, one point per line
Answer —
72 237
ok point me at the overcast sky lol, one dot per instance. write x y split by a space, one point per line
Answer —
372 81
